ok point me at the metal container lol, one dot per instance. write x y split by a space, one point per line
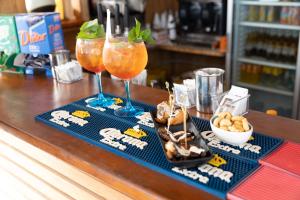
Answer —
59 57
209 85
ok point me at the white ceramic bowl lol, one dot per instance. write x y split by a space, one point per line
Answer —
233 138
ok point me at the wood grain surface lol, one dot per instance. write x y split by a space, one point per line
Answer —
12 6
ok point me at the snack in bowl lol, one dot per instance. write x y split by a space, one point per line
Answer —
227 122
234 130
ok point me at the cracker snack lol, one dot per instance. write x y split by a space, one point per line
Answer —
227 122
163 114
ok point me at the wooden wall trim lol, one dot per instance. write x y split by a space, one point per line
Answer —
68 181
15 188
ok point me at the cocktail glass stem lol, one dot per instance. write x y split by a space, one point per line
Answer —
127 89
100 95
101 100
128 110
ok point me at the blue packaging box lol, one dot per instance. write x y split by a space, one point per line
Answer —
39 33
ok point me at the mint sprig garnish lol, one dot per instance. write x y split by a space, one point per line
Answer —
91 30
136 35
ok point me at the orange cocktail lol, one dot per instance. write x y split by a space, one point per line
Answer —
123 59
89 54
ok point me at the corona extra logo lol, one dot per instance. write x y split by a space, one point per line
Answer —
34 37
81 114
251 138
135 132
118 101
217 161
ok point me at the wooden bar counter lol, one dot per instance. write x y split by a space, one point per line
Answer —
39 162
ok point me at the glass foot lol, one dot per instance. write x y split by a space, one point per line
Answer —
128 111
102 102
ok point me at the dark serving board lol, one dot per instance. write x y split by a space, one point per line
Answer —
191 128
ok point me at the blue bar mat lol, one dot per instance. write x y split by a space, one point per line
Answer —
93 125
256 148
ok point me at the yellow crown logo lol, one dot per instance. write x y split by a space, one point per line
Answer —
251 138
135 132
81 114
217 161
118 101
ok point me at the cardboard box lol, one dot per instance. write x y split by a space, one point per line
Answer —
9 43
39 33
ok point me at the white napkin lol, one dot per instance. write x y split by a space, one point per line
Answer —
68 72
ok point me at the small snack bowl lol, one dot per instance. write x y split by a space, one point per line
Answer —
231 137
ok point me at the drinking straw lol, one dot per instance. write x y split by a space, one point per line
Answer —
99 12
108 25
184 125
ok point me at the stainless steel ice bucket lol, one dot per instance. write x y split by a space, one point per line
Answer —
209 85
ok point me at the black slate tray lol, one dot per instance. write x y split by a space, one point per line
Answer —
191 127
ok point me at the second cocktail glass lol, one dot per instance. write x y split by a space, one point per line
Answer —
89 55
125 60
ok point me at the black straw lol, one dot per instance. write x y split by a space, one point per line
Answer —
99 11
117 15
126 16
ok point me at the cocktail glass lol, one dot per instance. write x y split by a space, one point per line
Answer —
125 60
89 56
